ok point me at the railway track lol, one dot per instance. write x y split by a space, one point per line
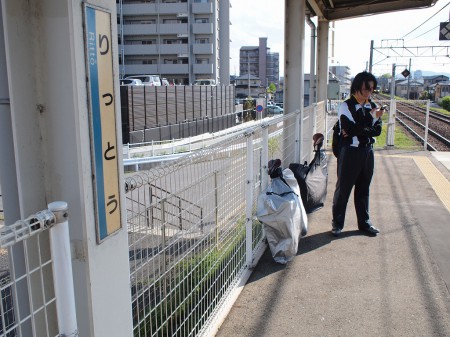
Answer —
435 127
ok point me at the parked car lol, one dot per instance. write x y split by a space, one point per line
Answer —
152 80
274 109
165 82
205 82
130 81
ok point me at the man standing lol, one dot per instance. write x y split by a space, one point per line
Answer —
360 121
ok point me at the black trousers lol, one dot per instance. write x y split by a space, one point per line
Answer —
355 168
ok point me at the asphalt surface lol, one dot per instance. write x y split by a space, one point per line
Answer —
395 284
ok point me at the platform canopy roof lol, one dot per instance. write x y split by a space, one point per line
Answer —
332 10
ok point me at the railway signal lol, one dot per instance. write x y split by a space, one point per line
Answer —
444 31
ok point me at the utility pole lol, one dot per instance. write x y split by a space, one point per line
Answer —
371 56
407 90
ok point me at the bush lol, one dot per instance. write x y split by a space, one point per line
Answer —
446 103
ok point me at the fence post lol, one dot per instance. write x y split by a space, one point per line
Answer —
314 118
163 244
427 120
298 135
265 156
62 270
216 209
391 124
249 201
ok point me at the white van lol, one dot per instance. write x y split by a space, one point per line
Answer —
205 82
153 80
130 81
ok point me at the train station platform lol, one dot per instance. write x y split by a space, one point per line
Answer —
395 284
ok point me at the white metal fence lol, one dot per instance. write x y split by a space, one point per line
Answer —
33 303
193 235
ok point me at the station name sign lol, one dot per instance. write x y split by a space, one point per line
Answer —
103 130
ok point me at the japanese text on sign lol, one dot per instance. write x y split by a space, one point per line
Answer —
103 121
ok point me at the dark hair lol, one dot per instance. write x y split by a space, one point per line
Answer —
362 79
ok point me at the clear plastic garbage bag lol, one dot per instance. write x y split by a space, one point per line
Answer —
283 216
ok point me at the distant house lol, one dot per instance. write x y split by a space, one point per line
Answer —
429 83
337 88
429 80
442 89
342 73
414 87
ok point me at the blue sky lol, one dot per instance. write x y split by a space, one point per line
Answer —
252 19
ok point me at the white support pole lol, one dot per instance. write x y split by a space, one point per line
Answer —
390 134
391 120
249 202
62 270
51 125
312 64
314 118
294 50
322 60
427 120
298 135
265 156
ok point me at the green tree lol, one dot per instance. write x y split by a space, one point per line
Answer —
273 146
272 88
248 108
423 95
446 103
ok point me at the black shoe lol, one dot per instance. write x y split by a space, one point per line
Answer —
336 231
370 230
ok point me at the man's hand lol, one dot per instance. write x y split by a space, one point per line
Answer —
377 113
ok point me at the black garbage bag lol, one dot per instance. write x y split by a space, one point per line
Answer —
313 178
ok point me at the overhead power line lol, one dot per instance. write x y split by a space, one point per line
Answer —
426 20
426 32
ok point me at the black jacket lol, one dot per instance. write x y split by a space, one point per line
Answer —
358 123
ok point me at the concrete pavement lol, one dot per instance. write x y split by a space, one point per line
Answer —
395 284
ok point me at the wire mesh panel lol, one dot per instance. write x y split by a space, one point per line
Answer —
28 303
187 229
186 234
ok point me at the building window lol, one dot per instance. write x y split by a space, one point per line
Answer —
136 21
202 40
171 41
170 61
201 20
136 42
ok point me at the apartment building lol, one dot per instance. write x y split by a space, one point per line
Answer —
181 40
260 62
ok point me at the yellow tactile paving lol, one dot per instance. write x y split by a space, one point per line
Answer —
438 182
